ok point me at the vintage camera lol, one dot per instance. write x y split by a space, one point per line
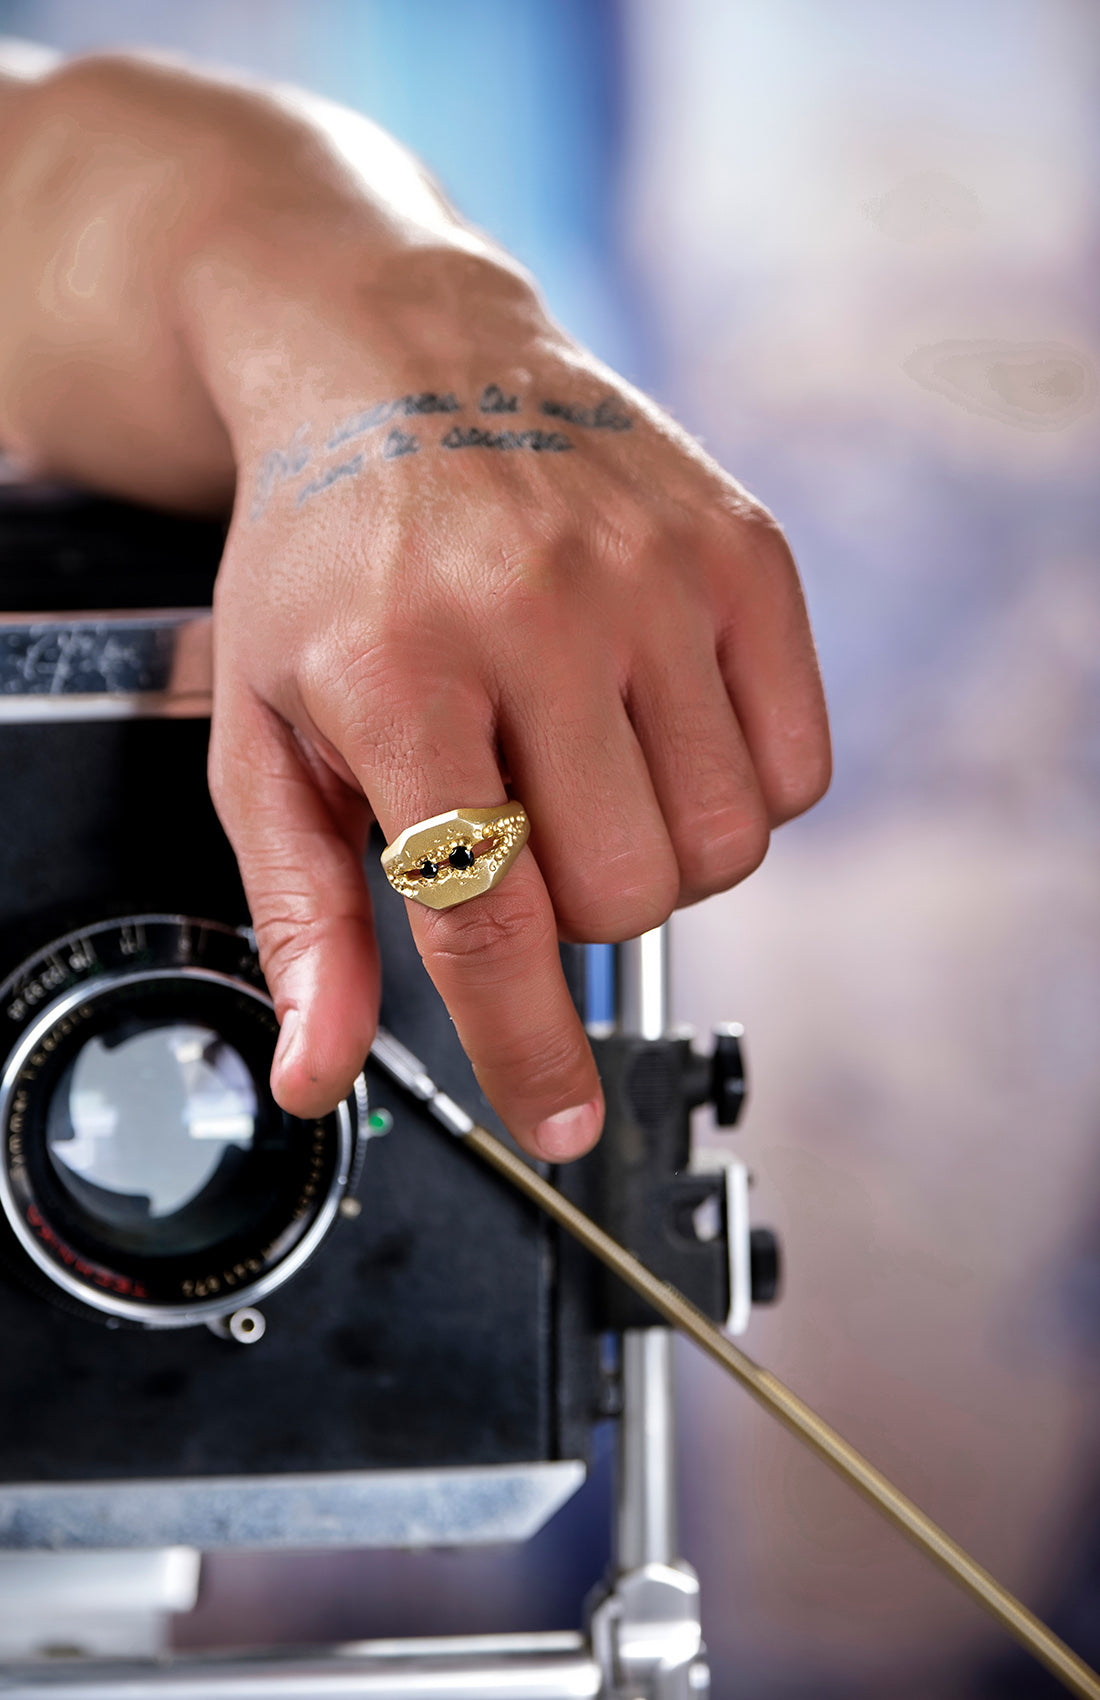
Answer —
337 1331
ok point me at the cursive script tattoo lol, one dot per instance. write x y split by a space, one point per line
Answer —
403 407
320 470
494 400
399 443
345 469
603 417
279 466
471 437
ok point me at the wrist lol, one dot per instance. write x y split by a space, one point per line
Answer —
280 342
313 311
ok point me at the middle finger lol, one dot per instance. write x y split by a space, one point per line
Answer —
597 828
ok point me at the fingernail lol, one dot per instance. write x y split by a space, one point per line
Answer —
569 1133
288 1034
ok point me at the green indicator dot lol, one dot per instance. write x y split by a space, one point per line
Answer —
380 1121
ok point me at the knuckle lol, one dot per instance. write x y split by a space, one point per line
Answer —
364 666
217 777
720 852
752 533
767 547
737 506
290 930
283 939
804 784
624 897
526 586
231 776
490 932
634 534
551 1066
379 705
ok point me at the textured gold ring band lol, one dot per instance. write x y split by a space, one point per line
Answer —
453 857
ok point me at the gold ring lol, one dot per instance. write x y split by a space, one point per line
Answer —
453 857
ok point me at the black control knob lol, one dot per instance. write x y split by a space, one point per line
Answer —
728 1084
765 1265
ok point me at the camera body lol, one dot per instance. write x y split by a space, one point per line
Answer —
430 1360
429 1331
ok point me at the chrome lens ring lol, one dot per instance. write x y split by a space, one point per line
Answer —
238 1199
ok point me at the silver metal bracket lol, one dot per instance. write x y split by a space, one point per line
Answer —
735 1174
94 1604
646 1636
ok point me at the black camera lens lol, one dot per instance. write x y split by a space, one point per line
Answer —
148 1171
150 1130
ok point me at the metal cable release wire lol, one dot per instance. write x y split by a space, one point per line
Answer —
403 1068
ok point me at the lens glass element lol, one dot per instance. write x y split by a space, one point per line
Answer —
142 1124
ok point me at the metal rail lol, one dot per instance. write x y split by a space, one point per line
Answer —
646 1530
487 1667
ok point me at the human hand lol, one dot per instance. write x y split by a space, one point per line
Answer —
466 561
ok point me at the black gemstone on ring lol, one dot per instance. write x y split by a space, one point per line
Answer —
429 870
461 857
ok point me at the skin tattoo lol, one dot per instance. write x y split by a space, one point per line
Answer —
314 471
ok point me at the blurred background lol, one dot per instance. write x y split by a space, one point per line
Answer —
854 247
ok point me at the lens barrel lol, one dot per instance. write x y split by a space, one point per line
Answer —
147 1174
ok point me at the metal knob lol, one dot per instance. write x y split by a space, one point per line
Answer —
728 1086
765 1266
